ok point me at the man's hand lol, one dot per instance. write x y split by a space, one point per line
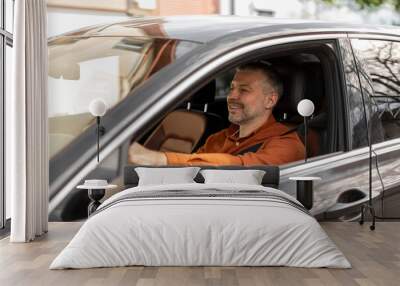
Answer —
143 156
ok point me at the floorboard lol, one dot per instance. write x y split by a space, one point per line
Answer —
374 255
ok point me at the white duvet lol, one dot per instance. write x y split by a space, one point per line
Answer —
183 231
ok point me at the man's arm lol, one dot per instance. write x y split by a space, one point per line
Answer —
143 156
277 151
202 159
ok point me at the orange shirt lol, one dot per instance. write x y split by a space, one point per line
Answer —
223 147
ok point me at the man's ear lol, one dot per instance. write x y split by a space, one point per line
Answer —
271 100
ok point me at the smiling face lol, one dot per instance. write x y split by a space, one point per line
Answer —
251 97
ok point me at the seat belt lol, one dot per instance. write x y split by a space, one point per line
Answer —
252 149
291 130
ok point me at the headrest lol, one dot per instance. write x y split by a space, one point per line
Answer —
270 179
205 94
293 88
299 82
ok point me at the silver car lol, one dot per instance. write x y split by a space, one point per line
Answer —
149 70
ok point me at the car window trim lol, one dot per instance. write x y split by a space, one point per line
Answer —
343 84
393 143
364 36
327 161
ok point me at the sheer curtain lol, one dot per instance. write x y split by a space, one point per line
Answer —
26 124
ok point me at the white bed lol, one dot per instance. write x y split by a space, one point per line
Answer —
223 224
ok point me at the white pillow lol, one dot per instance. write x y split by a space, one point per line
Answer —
163 176
248 177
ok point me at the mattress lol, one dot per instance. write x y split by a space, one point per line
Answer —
201 225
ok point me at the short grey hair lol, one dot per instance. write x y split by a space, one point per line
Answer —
268 73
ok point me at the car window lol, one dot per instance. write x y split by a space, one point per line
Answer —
358 135
304 74
380 60
85 68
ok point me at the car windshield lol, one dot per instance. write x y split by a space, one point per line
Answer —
85 68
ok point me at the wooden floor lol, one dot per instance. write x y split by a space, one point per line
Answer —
375 257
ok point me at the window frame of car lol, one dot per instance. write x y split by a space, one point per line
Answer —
296 44
371 37
351 82
169 95
328 54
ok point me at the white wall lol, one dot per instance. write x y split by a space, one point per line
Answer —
344 11
98 78
147 4
64 20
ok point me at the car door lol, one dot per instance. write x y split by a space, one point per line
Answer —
379 61
344 175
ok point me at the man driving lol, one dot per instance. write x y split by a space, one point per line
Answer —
254 136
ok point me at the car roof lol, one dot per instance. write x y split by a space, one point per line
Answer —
203 29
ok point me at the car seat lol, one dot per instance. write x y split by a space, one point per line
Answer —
185 129
303 81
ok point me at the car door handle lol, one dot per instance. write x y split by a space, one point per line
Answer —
351 198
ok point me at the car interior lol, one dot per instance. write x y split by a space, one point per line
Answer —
187 127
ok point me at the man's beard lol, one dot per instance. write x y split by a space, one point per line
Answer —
239 120
233 115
